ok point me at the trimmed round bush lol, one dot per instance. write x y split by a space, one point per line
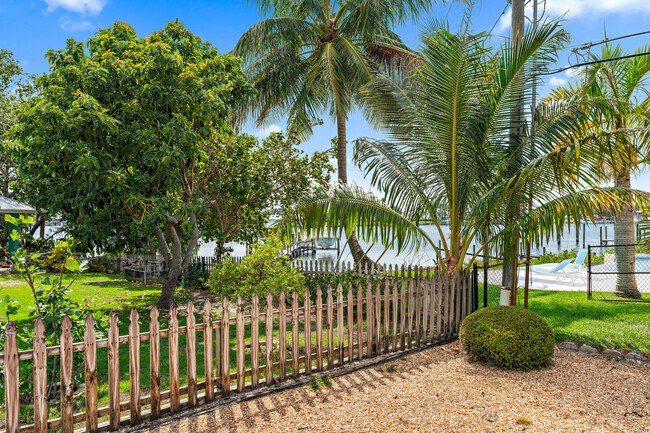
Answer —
509 337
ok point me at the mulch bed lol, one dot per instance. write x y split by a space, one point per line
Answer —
441 390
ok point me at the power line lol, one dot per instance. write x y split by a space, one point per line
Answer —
604 41
499 18
629 56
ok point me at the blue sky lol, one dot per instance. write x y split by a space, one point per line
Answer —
32 27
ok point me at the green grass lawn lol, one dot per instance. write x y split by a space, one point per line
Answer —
623 325
92 291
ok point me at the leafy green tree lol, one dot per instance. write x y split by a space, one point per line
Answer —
625 143
114 143
243 180
312 57
10 73
449 123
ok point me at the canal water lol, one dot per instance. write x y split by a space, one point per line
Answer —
425 255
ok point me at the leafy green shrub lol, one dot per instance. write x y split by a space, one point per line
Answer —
264 270
100 264
55 262
195 276
510 337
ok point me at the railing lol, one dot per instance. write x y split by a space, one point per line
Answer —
389 315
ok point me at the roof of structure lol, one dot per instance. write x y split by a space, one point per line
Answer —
8 205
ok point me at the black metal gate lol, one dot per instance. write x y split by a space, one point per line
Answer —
614 270
487 273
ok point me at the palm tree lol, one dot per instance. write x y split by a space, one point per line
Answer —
449 123
624 123
311 57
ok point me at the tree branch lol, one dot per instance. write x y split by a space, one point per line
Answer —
162 243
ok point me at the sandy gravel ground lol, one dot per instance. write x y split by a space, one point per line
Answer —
439 390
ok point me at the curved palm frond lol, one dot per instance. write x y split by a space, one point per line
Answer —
349 208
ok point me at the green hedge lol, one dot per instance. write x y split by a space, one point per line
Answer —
510 337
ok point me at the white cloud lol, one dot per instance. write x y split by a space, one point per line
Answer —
575 72
265 132
596 7
575 8
83 7
74 26
557 81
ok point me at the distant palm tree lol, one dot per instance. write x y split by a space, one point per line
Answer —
311 57
624 122
449 123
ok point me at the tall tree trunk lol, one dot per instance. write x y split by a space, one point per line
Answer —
357 252
511 251
169 284
177 259
624 235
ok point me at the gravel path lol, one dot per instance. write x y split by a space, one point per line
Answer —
439 390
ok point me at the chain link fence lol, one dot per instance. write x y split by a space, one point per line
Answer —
488 273
618 273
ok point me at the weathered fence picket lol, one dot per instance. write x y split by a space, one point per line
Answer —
190 343
208 354
295 335
319 329
113 372
174 364
40 377
154 362
283 335
241 354
307 310
415 307
134 367
268 343
330 329
255 343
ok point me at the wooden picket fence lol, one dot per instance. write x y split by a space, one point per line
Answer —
388 315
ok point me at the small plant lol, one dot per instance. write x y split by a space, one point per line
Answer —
319 382
392 368
100 264
524 421
52 303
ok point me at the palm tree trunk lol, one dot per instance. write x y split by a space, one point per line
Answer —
341 155
624 235
517 118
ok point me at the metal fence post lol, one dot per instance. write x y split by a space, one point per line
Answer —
485 281
588 271
475 288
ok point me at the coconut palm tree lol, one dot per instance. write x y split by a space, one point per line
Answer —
449 124
311 57
622 125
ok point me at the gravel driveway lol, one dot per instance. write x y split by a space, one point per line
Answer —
439 390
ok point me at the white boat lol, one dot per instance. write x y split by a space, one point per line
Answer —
326 243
